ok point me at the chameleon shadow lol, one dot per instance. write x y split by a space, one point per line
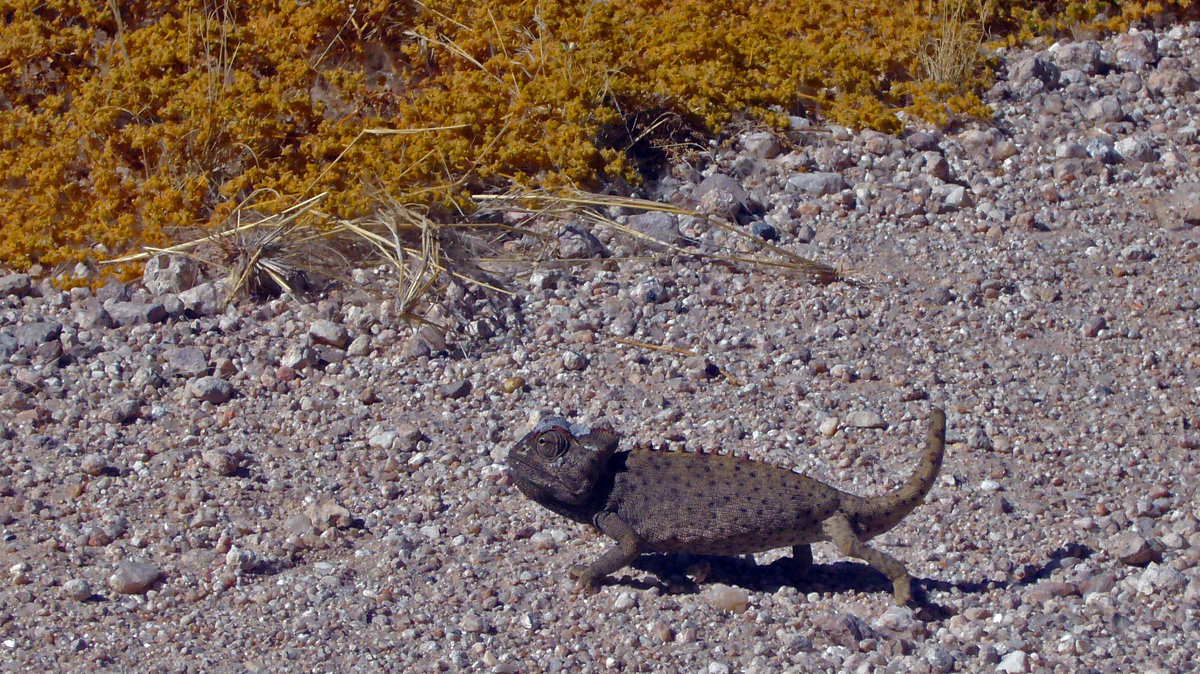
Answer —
838 577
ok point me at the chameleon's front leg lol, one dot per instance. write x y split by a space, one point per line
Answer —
622 554
802 557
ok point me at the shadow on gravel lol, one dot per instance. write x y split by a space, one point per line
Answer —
841 576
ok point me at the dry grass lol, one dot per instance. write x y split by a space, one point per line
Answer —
953 51
270 255
589 208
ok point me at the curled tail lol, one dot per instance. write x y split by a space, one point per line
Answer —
883 513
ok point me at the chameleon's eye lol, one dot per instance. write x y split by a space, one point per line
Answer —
551 444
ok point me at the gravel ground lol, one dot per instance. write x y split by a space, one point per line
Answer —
317 487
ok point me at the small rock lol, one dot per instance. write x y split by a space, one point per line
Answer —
1158 578
1136 149
1034 68
93 464
328 332
1136 50
77 589
828 427
573 360
1016 662
172 304
764 231
473 624
113 290
650 291
721 196
978 141
624 601
1102 150
936 165
148 376
922 141
865 419
953 197
699 368
662 632
368 396
361 346
409 432
122 411
1181 208
761 145
897 619
1171 82
939 296
33 335
939 659
845 629
133 577
210 389
1069 150
817 184
1137 253
1005 149
661 230
543 540
221 461
1132 549
1107 109
726 598
988 486
1191 596
242 559
383 440
93 316
169 274
298 525
425 341
15 285
329 513
457 389
1092 326
186 361
137 313
1046 590
20 573
1101 582
575 243
203 300
1082 56
546 279
979 439
298 357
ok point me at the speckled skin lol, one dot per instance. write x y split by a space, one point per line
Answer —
656 501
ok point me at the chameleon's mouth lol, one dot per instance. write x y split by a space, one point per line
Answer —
540 484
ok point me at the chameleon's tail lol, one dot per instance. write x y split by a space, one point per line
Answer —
887 510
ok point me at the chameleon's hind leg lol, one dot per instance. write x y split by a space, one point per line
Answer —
839 530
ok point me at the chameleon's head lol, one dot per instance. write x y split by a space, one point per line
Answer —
560 461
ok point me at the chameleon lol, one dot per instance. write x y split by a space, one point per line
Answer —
651 500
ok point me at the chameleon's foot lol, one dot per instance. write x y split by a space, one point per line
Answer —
902 590
586 582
